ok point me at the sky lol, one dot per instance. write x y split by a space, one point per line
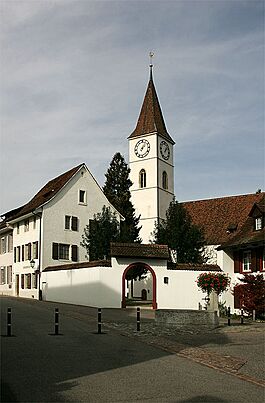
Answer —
73 75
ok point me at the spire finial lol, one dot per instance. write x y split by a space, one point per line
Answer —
151 55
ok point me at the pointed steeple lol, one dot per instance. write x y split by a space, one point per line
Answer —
151 118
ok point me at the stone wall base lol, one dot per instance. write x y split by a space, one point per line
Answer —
187 318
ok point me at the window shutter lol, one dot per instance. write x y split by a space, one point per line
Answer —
254 261
74 224
15 255
22 253
236 262
55 250
29 251
37 250
74 253
22 280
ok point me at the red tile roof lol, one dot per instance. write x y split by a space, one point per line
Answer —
139 250
44 195
248 235
193 267
216 216
79 265
151 118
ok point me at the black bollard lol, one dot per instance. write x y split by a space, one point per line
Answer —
56 322
229 316
138 320
99 320
9 330
242 317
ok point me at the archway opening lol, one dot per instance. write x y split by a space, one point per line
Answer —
146 290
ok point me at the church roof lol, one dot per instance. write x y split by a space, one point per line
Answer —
222 218
43 196
151 118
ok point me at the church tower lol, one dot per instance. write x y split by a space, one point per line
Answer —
151 163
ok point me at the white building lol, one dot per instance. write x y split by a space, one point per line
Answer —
47 230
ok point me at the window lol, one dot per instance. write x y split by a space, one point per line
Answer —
82 196
28 251
26 225
9 274
28 280
164 180
18 228
74 253
258 223
63 251
34 281
246 261
10 242
165 280
142 179
3 245
3 275
35 250
71 222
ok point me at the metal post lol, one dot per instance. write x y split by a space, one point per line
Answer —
254 315
99 321
9 331
242 317
229 316
56 322
138 320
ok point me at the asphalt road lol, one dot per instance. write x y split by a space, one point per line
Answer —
82 366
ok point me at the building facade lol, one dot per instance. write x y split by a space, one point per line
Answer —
48 230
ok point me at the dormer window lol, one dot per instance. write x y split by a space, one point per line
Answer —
258 223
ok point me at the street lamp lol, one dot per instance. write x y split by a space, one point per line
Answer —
32 263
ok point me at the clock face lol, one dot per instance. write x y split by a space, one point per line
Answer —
164 150
142 148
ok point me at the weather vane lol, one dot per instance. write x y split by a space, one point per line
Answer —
151 55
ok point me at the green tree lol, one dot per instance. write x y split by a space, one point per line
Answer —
117 190
178 232
103 229
251 293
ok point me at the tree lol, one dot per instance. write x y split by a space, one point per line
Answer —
178 232
251 294
117 190
103 229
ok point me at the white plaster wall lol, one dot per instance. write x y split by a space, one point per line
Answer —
6 259
226 263
145 283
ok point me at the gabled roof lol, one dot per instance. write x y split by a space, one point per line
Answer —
152 251
151 118
44 195
248 235
223 217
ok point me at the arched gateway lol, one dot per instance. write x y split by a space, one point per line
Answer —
147 267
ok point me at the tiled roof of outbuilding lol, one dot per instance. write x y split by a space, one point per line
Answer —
152 251
216 216
79 265
44 195
151 118
193 267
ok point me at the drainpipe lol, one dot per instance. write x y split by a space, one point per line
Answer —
39 254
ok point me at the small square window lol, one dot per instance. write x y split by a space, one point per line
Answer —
165 280
82 196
